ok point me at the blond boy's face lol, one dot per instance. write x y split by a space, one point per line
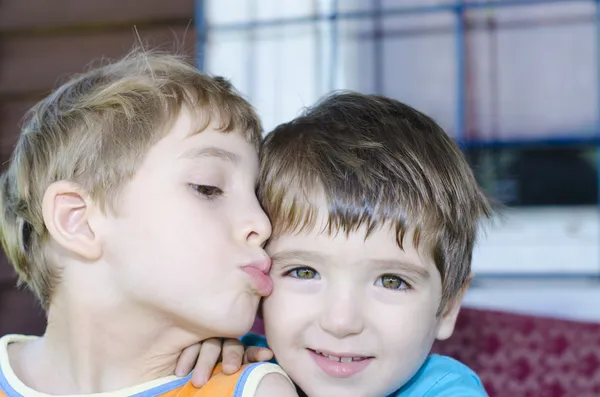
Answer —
349 316
186 243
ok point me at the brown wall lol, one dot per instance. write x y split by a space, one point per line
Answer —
42 42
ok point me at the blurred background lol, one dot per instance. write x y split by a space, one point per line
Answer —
515 82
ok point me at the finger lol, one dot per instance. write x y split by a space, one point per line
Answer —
210 352
255 354
187 359
233 354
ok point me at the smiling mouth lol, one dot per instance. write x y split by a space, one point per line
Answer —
341 359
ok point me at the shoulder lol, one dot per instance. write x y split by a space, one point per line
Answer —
253 380
9 382
275 384
265 379
443 376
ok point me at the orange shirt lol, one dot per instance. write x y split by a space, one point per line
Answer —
241 384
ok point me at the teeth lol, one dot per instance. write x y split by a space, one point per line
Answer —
339 359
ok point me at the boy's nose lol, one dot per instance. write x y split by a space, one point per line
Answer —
341 315
256 228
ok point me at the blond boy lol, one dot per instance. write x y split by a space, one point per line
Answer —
129 208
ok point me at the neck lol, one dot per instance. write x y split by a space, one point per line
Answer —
92 348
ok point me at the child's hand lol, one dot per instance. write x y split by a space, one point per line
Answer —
205 356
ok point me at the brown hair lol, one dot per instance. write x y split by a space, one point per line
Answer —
94 130
376 161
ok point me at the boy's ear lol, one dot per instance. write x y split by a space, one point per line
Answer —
67 212
450 313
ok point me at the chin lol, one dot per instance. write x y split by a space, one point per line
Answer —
231 320
235 326
242 316
319 392
233 332
244 326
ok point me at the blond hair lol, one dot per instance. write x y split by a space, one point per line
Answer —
94 130
377 162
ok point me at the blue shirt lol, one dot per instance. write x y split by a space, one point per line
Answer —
439 376
442 376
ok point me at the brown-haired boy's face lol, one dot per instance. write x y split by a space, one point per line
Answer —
350 316
186 243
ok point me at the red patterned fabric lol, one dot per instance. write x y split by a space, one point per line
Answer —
526 356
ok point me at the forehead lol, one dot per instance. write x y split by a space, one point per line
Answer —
184 141
380 244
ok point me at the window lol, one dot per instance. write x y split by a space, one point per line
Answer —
514 82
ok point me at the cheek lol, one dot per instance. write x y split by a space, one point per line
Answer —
175 237
292 300
192 223
283 315
407 322
276 338
408 334
274 308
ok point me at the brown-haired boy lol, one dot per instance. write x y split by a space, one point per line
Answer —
129 208
375 214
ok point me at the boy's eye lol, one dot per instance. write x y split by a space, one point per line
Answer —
207 190
305 273
391 281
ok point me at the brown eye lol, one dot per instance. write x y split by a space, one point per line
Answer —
391 281
207 190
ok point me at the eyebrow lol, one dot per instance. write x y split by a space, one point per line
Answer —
404 266
208 152
315 257
305 255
